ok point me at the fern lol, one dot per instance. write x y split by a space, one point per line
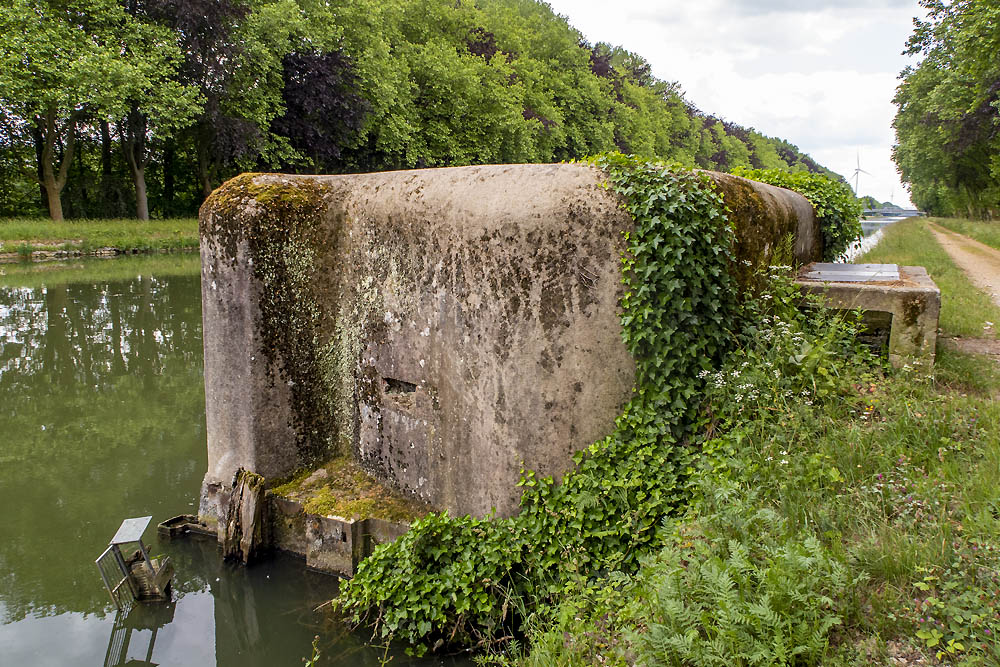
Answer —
770 600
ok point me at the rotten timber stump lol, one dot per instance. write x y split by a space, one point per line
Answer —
245 533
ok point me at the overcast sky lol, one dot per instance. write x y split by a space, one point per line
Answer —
818 73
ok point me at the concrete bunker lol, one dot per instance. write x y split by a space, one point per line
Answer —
443 328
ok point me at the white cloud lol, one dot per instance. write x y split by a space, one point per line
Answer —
819 74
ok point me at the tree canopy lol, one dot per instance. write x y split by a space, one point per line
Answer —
143 107
948 118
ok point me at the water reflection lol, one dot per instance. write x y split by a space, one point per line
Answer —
102 418
138 618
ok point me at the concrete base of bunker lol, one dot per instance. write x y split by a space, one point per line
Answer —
442 327
329 543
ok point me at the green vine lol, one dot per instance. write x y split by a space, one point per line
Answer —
466 581
837 209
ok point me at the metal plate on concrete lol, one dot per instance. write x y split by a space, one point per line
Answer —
131 530
851 273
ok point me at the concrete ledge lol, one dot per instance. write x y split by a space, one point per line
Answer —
913 301
331 544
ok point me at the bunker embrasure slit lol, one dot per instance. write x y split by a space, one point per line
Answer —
394 386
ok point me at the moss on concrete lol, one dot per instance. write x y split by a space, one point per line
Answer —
341 488
274 220
757 224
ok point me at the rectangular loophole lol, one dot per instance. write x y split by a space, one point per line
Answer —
394 386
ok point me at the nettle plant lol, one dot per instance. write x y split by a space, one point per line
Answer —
837 209
466 581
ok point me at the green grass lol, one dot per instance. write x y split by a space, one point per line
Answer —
964 308
982 231
24 235
41 274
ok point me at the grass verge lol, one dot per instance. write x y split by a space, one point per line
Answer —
964 308
25 236
982 231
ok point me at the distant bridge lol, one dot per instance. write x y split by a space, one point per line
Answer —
892 212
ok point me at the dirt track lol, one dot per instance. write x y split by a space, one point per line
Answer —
980 262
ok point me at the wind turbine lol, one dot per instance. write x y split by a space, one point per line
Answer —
857 176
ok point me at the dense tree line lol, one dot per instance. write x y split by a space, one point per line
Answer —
113 108
948 121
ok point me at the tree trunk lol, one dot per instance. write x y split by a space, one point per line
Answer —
52 198
109 192
141 200
203 138
169 152
37 134
54 180
206 180
133 135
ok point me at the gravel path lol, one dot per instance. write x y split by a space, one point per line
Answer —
980 262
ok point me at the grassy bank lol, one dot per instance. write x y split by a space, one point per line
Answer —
24 236
39 274
984 232
964 309
845 514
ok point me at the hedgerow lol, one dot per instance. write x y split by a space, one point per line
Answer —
837 209
461 580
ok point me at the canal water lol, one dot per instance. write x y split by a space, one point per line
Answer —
871 234
102 417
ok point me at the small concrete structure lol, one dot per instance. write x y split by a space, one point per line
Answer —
328 543
445 327
905 293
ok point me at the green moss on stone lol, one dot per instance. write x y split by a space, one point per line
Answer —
763 232
341 488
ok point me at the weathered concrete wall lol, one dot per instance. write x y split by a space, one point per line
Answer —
449 326
329 543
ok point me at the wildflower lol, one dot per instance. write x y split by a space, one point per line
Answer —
703 374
